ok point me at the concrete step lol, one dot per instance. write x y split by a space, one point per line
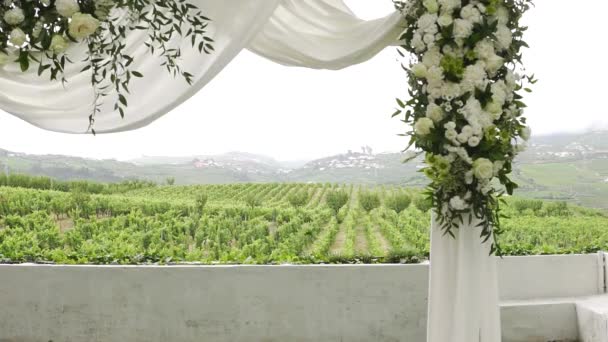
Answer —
543 320
593 319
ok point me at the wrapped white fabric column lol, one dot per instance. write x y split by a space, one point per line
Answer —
463 289
307 33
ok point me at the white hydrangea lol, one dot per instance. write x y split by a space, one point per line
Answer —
502 15
449 5
462 28
418 43
423 126
485 49
429 39
431 5
504 37
14 16
434 112
500 93
428 23
432 58
451 90
435 77
470 13
475 76
67 8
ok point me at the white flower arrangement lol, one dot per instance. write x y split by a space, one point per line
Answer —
465 104
42 31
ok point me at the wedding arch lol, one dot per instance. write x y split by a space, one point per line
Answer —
71 65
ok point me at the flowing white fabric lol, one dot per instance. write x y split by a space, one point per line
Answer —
307 33
463 289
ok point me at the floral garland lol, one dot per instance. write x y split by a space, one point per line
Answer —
465 106
41 31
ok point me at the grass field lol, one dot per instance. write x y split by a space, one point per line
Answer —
260 224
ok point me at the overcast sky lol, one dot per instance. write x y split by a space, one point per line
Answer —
290 113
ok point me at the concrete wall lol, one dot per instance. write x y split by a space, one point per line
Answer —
252 303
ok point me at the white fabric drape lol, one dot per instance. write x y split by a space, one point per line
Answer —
463 290
307 33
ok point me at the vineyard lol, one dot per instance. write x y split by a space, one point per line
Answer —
79 223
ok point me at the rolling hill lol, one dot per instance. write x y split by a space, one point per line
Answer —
572 167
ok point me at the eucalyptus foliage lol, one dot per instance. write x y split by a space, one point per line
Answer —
39 33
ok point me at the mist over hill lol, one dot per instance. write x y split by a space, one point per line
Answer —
572 167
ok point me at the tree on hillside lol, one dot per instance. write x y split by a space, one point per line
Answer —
253 201
170 180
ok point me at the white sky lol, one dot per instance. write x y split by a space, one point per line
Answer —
290 113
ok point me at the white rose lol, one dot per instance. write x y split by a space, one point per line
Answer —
434 112
462 28
504 37
18 37
483 169
423 126
14 16
419 70
526 133
67 8
458 203
83 25
494 63
58 44
445 20
431 5
474 141
495 109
